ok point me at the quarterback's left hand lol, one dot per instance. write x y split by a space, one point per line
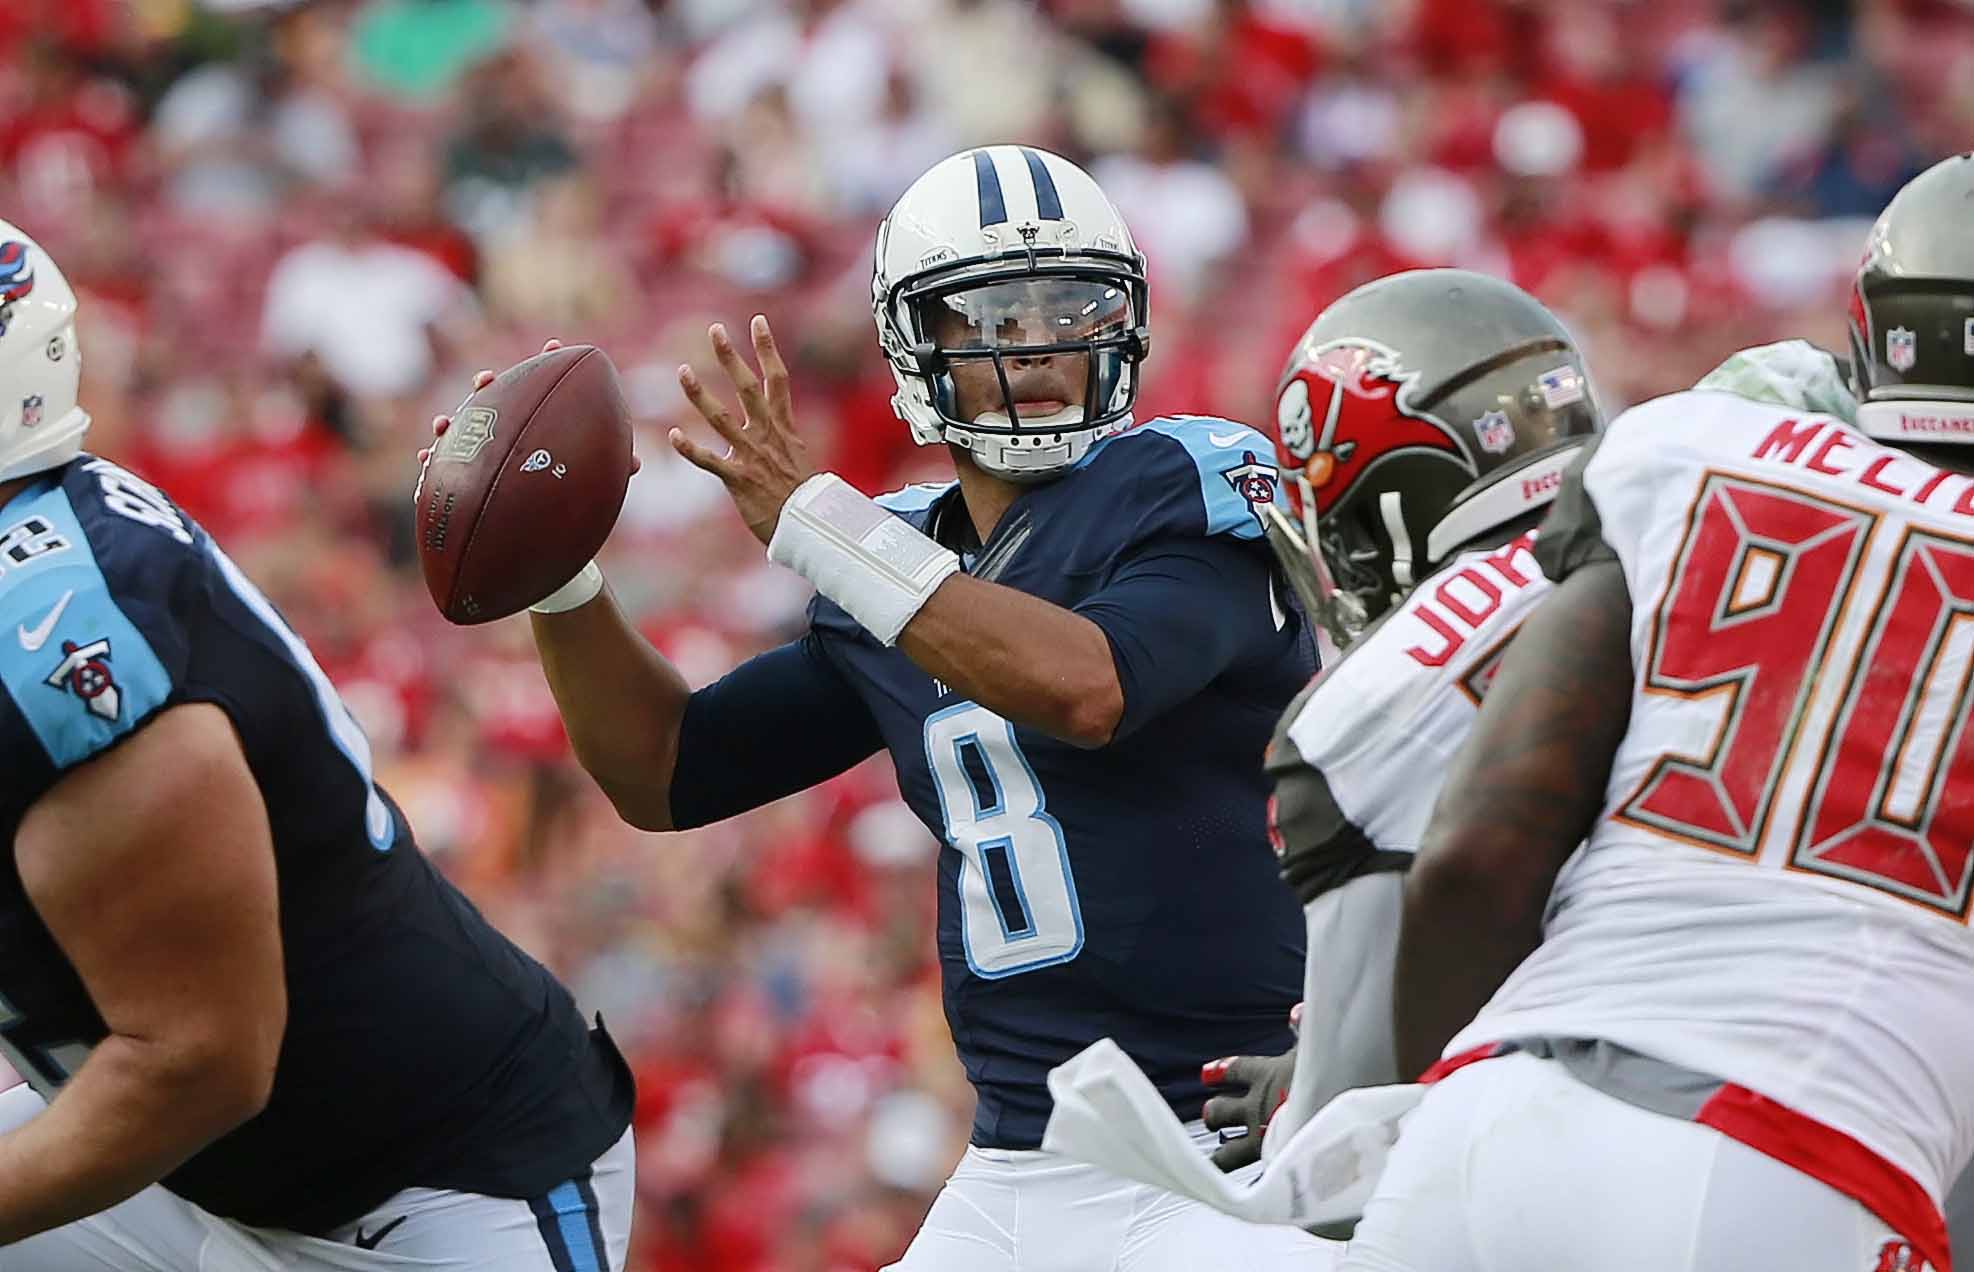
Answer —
1254 1086
765 459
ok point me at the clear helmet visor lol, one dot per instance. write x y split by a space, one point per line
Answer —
1035 353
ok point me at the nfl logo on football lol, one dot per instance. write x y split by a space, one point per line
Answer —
1901 349
31 411
1496 433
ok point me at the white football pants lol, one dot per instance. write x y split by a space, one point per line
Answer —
1018 1211
1511 1163
159 1231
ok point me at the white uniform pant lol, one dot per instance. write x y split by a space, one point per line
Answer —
420 1228
1017 1211
1513 1164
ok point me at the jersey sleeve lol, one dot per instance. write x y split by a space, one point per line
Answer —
92 645
1197 476
780 722
1320 846
1179 613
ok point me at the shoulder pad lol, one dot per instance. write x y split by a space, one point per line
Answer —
85 632
1196 474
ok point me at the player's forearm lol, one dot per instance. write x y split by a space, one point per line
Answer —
1024 659
133 1113
1458 942
1524 790
621 702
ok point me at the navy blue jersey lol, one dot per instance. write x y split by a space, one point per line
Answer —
422 1049
1128 890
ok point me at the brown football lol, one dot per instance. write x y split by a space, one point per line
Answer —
525 485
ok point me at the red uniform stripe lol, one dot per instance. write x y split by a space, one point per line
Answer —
1835 1159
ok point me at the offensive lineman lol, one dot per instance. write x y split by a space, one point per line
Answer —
1425 420
1072 655
1749 691
267 1033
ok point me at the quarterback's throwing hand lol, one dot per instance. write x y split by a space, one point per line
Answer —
765 460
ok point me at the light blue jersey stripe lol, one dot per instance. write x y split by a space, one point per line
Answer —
913 498
1219 449
572 1218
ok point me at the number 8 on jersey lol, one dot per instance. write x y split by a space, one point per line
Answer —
1018 908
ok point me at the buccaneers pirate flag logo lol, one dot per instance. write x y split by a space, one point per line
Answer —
1346 409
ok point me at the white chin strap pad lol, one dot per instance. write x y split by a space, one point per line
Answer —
1917 421
879 569
1018 458
1067 418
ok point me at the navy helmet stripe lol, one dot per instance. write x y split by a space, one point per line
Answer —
993 207
1048 204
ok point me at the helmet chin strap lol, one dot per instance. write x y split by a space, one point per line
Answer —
1391 508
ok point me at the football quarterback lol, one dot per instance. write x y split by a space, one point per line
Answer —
1072 653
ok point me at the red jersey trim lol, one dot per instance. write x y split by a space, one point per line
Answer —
1803 1143
1452 1064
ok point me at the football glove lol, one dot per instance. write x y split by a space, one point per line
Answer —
1253 1088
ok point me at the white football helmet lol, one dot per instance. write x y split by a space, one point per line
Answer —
991 243
41 425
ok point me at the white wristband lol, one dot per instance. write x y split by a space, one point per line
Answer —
875 566
580 590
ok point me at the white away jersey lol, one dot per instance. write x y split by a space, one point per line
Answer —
1776 898
1359 756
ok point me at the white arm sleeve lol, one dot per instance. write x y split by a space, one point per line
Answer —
1346 1014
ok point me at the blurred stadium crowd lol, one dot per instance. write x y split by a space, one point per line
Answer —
298 228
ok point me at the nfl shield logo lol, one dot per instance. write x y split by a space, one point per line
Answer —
1496 433
1901 349
31 411
468 436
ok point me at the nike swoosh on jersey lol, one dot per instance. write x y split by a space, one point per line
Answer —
35 638
368 1241
1224 439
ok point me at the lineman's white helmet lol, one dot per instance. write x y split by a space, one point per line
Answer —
41 425
1000 238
